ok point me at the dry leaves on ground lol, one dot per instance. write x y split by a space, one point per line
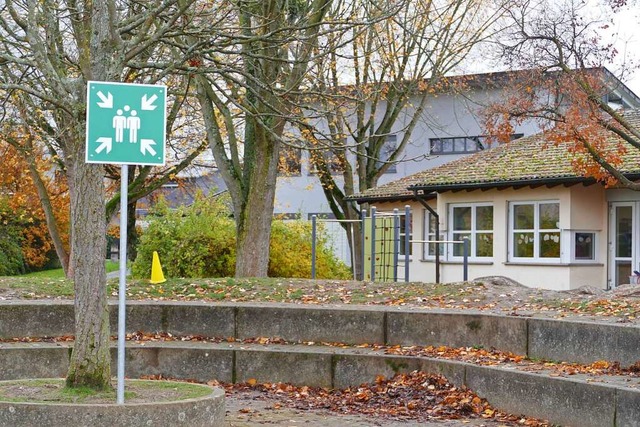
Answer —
413 396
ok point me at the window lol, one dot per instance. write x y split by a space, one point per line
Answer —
404 235
389 146
535 230
584 244
475 222
328 157
429 249
465 144
289 163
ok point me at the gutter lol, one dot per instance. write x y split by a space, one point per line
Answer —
502 184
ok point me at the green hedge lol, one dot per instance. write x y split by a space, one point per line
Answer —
199 241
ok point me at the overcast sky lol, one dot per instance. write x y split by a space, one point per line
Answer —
628 43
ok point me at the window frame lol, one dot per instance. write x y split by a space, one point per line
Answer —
385 153
472 232
451 144
428 235
403 235
594 246
536 230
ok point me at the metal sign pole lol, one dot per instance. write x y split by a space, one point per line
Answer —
115 112
122 289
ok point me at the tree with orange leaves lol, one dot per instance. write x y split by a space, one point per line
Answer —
567 90
38 196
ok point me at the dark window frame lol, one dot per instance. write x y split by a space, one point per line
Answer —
464 144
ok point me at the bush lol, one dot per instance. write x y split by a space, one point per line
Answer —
11 258
193 241
290 254
199 241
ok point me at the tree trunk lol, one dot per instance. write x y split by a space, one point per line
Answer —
52 224
253 222
132 233
90 359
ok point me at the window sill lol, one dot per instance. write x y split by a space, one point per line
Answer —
555 264
456 262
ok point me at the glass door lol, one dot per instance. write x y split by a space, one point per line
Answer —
622 248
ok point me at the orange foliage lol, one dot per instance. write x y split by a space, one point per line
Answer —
17 185
564 107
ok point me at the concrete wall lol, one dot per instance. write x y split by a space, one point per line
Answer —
584 342
576 400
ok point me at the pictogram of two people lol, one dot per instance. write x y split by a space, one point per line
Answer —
130 122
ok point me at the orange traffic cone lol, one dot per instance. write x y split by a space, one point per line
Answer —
156 270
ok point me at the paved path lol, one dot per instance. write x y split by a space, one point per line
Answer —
246 409
116 274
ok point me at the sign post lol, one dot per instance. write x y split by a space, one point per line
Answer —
126 125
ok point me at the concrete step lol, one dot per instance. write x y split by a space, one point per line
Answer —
536 338
576 400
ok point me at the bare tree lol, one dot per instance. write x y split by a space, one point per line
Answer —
251 80
393 66
50 49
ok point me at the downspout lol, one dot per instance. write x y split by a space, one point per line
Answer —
420 198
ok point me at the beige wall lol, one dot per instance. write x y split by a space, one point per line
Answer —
581 209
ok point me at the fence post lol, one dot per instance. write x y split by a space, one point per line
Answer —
314 220
373 243
407 243
363 216
352 251
465 259
396 243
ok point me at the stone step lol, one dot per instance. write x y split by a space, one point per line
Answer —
576 400
536 338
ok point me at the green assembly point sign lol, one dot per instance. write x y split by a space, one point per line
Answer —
126 123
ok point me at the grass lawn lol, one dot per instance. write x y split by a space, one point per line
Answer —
58 273
457 295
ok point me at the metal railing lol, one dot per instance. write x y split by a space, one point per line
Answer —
396 226
314 239
465 253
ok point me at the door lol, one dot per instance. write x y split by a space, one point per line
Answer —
622 245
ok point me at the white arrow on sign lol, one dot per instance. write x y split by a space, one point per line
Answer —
105 143
107 101
147 104
146 145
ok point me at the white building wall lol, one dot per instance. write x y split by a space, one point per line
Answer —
581 208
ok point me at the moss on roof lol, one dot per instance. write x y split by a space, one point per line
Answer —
529 159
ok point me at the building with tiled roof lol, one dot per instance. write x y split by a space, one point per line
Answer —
526 161
528 215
